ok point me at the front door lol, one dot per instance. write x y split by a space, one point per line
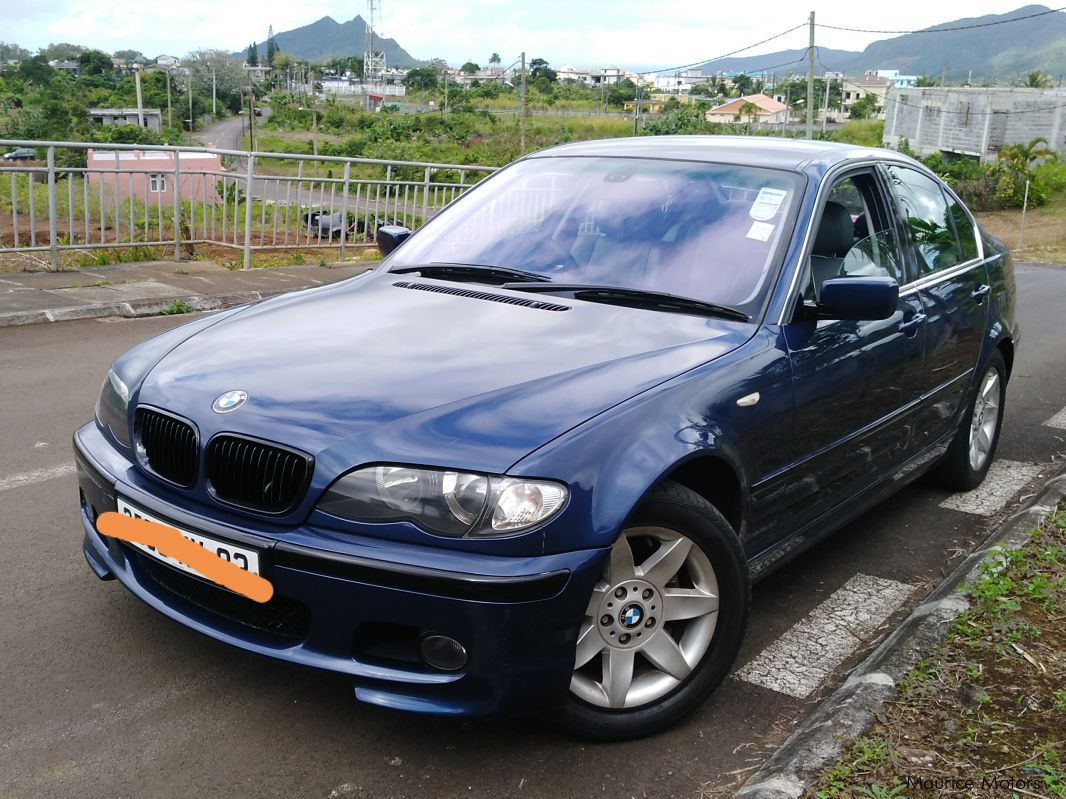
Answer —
856 384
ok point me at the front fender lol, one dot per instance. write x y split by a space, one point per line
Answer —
616 458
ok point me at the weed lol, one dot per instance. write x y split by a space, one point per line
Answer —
177 307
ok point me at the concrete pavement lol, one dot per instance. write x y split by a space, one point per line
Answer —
145 289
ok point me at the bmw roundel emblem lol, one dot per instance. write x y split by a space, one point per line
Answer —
230 401
632 615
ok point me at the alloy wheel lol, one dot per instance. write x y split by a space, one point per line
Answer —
984 419
649 622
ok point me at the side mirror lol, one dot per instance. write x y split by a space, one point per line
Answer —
390 237
858 298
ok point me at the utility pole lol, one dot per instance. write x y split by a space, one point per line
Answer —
522 109
636 108
251 114
944 76
825 113
445 106
170 117
140 98
188 84
214 93
810 82
314 120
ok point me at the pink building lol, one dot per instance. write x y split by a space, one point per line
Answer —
149 175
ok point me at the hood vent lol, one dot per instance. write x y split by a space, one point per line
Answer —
483 295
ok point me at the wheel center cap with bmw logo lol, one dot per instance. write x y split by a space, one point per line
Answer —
631 616
230 401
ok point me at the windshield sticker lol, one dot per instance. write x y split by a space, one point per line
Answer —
760 231
767 203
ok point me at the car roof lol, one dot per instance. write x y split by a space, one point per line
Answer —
764 151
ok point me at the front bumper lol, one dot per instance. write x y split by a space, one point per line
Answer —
356 607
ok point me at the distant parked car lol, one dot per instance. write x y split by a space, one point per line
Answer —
534 460
21 154
258 111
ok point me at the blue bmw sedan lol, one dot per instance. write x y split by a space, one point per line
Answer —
535 459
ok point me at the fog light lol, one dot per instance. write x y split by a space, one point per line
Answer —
442 652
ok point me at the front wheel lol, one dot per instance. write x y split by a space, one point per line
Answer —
664 623
971 452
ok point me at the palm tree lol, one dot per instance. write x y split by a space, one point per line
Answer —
494 58
1022 156
1037 80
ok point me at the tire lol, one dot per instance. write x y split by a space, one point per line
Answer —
682 556
960 470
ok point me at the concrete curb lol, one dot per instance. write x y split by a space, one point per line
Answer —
131 309
849 711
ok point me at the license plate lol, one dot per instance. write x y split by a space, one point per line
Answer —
247 559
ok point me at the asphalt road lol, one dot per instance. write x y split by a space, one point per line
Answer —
105 698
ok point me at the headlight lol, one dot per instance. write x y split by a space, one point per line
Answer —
445 502
111 408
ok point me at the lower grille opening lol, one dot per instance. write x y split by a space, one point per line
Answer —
281 616
388 643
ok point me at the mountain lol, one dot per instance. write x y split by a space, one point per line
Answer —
782 61
996 51
993 51
327 38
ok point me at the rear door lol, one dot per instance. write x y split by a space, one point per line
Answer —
952 282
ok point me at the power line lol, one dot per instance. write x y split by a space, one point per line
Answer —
724 55
944 30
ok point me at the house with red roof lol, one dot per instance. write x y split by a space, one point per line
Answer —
753 107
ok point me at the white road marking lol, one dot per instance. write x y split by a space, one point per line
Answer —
1058 420
38 476
1001 484
813 648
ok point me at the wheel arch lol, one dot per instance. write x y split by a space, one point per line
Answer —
713 477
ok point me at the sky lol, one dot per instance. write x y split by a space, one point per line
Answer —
585 33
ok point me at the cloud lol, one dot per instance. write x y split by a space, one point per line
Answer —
590 33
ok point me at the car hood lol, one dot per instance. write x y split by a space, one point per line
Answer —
366 370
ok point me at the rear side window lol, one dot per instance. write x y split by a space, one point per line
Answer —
928 219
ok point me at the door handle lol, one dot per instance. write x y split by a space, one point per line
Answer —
980 293
910 327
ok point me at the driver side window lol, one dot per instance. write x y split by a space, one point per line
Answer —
855 235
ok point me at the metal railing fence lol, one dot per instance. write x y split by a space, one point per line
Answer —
98 196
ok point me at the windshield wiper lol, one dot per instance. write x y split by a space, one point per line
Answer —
637 298
503 274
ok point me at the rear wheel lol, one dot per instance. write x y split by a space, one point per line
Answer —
664 623
971 452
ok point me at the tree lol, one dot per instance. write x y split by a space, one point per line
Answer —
61 51
36 71
9 51
622 92
494 59
538 68
272 48
131 56
742 84
469 68
95 62
252 59
1037 80
863 108
925 81
1021 157
421 78
229 78
749 110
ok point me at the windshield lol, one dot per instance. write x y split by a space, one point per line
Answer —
713 232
